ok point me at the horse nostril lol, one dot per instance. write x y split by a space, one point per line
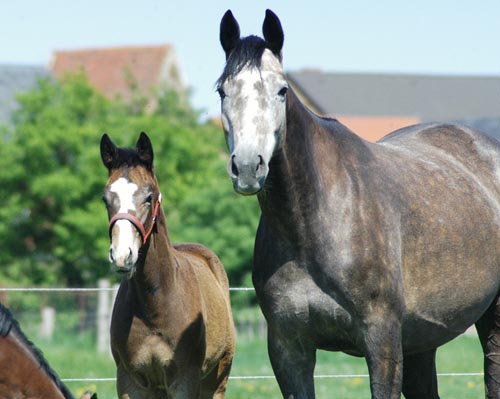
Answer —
260 164
111 257
234 168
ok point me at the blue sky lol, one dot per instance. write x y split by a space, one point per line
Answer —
425 36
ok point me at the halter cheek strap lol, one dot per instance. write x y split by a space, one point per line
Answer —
136 222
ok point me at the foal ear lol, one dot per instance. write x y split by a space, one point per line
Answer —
108 151
229 33
145 150
273 33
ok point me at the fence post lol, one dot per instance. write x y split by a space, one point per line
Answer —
48 322
103 317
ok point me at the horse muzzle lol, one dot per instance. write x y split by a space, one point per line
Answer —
248 177
122 259
126 241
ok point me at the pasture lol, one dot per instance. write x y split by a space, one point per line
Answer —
73 355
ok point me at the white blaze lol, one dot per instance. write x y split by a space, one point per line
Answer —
124 250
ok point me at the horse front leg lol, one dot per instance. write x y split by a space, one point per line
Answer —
419 376
293 365
384 357
127 388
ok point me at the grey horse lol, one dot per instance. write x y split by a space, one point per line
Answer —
385 250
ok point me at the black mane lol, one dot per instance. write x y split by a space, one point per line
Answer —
248 52
9 323
6 321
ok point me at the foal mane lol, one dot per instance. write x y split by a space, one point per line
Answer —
9 323
248 52
126 157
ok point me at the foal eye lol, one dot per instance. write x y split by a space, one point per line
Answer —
283 91
221 92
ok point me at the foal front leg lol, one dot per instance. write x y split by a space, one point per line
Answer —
293 365
384 357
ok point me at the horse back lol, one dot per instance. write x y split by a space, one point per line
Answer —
449 147
463 143
207 257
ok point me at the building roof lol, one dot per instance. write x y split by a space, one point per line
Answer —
373 128
489 126
425 97
114 71
16 79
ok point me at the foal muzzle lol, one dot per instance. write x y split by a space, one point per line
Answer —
127 255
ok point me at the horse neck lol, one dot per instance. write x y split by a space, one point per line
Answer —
30 369
155 274
297 181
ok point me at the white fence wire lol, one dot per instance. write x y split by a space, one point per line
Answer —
245 377
268 377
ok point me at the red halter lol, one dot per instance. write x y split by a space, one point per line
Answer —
136 222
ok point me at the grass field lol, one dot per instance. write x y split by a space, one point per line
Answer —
76 357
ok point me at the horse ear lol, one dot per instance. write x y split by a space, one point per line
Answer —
229 33
145 150
273 33
108 151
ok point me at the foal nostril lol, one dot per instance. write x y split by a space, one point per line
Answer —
129 257
234 168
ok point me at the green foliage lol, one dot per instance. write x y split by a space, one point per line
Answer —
53 225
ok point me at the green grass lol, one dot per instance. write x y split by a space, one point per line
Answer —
75 356
462 355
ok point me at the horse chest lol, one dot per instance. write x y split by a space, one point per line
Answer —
292 301
149 361
153 351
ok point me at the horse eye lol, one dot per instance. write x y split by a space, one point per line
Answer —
221 92
283 91
149 199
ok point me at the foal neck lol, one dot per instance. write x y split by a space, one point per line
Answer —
155 272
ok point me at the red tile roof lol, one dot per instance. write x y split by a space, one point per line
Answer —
112 70
373 128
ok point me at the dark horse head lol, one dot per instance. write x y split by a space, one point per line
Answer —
253 91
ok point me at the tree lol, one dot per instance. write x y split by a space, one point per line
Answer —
53 225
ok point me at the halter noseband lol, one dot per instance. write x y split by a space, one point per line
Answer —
136 222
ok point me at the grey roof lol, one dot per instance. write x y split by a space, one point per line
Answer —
15 79
427 97
490 126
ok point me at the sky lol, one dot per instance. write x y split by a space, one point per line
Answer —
385 36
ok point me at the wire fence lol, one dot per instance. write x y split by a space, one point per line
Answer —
94 289
243 377
269 377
